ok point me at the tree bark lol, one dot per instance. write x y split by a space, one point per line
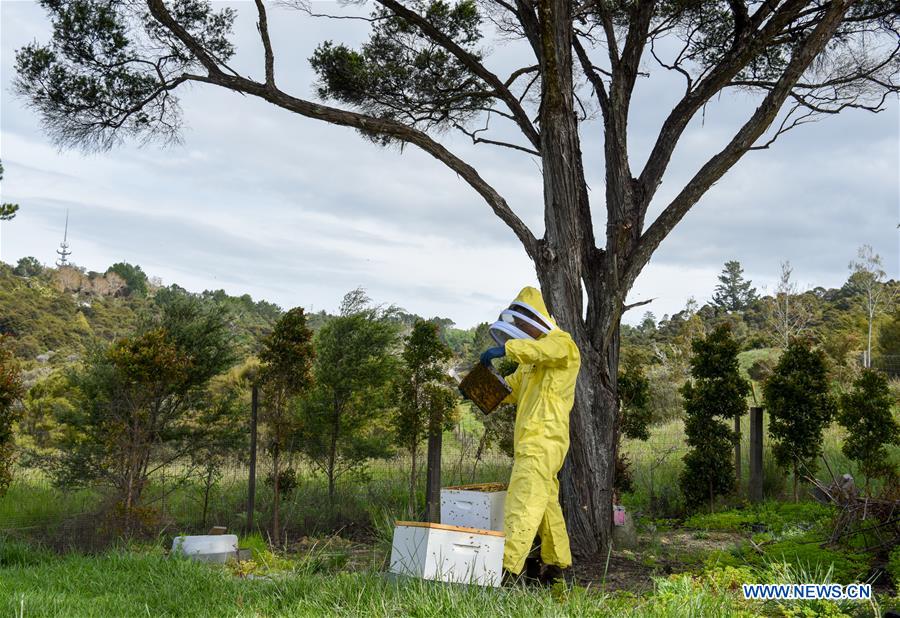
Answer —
206 490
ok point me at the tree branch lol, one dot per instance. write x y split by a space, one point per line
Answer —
471 62
593 77
718 78
362 122
162 15
389 128
637 304
263 27
755 127
484 140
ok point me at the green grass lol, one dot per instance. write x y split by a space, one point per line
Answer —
32 501
775 516
147 583
140 584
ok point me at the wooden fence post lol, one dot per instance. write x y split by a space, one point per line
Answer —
433 477
251 484
756 454
737 452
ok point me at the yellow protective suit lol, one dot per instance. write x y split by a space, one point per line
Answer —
543 386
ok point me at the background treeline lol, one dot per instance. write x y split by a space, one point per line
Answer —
141 391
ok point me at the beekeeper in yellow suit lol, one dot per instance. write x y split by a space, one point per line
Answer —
543 387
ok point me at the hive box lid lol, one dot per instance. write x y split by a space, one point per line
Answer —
425 524
483 487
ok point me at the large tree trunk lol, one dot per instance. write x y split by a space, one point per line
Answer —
567 265
588 475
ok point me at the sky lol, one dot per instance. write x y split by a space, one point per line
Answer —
259 201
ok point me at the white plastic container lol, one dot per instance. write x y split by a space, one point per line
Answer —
474 506
447 553
207 547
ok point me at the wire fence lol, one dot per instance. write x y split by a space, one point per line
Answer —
888 363
179 501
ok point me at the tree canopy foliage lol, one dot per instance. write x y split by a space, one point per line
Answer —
10 391
142 401
734 293
7 211
285 374
424 399
343 422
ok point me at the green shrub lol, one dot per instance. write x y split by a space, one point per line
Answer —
716 394
255 543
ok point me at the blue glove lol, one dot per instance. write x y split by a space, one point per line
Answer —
491 353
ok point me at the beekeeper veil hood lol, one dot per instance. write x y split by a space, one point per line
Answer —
529 309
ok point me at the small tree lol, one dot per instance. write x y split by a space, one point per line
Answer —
867 279
716 392
225 434
800 406
865 412
286 372
733 293
343 422
142 403
134 277
28 267
10 391
634 393
422 407
790 315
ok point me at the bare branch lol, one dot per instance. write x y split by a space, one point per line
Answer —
592 75
484 140
263 27
676 64
519 72
637 304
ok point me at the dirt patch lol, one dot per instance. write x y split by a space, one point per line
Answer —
622 573
694 542
659 554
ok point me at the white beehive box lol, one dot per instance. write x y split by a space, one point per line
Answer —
474 506
447 553
207 547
